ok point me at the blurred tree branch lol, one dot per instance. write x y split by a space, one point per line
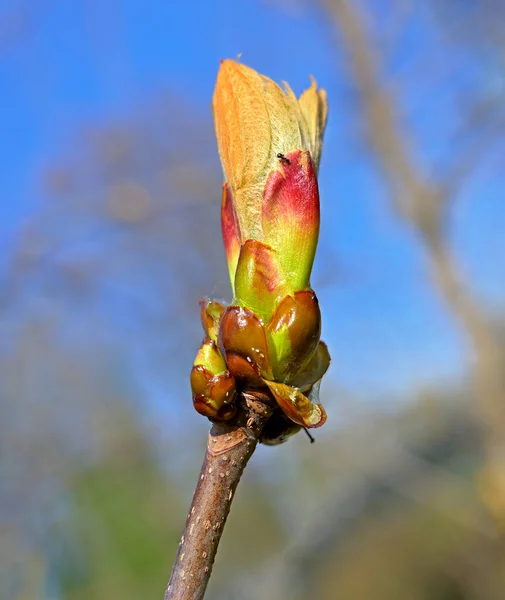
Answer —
423 205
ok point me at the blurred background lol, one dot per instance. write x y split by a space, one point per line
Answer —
109 235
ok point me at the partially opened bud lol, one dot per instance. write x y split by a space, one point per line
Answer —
212 385
270 146
269 338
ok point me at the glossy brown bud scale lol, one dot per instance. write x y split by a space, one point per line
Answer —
241 333
294 331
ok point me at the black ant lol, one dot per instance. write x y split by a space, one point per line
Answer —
283 159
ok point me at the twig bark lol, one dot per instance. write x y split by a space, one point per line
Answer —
229 449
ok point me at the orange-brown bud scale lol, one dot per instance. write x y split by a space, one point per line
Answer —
290 216
241 334
297 406
291 194
278 429
297 322
210 313
314 370
230 232
259 282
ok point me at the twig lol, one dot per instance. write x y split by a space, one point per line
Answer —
228 450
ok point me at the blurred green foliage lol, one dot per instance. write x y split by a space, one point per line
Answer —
122 527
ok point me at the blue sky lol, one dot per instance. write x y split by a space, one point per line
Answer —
68 65
77 62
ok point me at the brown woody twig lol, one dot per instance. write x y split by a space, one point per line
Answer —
229 449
